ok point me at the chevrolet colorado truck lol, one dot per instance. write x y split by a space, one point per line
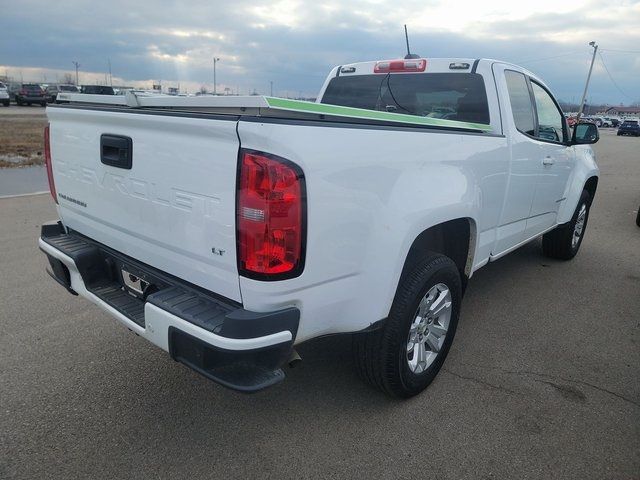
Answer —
228 230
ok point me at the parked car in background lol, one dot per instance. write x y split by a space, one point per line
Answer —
4 94
629 127
604 122
97 90
613 122
53 90
599 121
30 93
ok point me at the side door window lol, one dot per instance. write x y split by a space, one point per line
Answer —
550 118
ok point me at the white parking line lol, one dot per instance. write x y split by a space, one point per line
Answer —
24 194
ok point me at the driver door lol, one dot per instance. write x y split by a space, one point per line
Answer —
555 160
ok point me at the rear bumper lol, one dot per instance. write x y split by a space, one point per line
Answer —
237 348
29 99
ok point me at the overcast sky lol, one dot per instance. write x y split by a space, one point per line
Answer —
295 43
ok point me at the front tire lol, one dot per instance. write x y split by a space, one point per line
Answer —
403 357
564 242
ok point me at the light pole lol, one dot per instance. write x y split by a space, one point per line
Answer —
586 86
271 85
77 65
215 60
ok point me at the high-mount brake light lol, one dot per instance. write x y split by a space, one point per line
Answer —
47 162
390 66
271 217
458 66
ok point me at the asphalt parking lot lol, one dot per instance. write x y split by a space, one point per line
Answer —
543 379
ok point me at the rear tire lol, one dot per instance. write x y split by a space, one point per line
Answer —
564 242
6 103
403 357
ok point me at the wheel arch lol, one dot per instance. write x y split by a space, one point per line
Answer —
591 186
455 239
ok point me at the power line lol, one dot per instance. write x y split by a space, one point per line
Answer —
620 51
611 77
547 58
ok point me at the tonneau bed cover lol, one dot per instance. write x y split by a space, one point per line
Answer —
256 105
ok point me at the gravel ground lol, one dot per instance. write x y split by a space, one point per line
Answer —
542 380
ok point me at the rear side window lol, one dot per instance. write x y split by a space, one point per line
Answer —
450 96
520 100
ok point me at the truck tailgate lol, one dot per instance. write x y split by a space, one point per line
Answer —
173 209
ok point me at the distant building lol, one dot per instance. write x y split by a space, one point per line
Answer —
622 111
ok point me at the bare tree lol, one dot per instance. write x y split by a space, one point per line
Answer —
68 79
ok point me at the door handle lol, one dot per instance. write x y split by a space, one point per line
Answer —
548 160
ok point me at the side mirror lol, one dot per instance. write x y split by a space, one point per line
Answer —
585 133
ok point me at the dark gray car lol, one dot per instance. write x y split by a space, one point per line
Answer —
31 93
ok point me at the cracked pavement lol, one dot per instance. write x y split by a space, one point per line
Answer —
542 380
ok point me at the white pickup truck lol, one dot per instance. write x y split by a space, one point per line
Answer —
228 230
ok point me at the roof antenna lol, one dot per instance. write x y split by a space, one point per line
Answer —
409 55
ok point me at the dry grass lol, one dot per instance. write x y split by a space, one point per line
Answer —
22 136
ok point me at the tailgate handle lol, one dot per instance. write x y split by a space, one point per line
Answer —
116 151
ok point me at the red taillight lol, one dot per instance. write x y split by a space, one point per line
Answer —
271 217
387 66
47 162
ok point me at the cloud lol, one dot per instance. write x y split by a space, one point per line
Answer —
295 43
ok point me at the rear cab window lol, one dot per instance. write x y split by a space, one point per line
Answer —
449 96
520 99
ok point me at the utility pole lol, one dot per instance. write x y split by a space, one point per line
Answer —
77 66
586 86
110 77
271 88
215 60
